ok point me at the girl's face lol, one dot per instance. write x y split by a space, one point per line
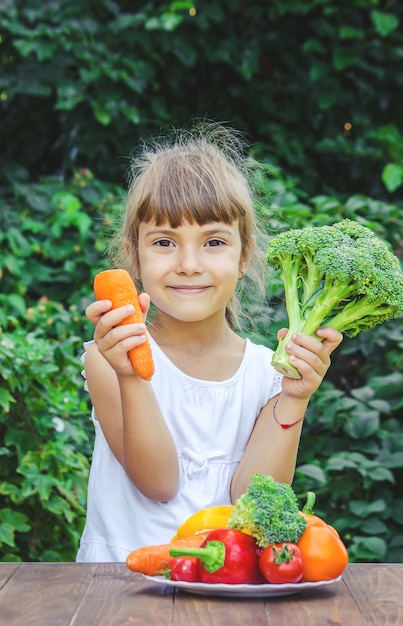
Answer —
190 272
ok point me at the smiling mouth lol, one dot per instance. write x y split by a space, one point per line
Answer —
189 289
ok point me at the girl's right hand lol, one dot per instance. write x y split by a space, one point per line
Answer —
114 340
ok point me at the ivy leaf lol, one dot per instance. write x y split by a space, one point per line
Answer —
387 386
348 32
363 393
45 50
131 113
167 22
339 464
83 223
58 506
374 526
382 474
17 302
103 116
68 96
7 535
25 47
385 23
16 519
392 176
66 201
343 57
314 472
363 424
10 523
393 459
5 399
365 509
35 482
369 548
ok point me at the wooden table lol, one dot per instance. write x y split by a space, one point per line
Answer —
108 594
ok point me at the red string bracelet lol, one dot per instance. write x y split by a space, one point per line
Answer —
285 426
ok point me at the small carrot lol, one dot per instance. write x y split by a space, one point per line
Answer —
117 286
151 560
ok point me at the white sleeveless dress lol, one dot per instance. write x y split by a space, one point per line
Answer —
210 423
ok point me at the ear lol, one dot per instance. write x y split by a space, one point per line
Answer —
131 257
246 256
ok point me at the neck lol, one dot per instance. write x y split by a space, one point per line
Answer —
169 332
207 350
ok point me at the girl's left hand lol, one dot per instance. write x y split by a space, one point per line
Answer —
311 357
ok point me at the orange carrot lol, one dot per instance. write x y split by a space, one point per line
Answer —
151 560
117 286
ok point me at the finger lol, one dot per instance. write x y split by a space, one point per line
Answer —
144 300
312 350
113 319
121 338
309 357
330 337
95 310
282 333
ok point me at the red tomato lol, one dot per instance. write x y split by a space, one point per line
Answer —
184 568
281 563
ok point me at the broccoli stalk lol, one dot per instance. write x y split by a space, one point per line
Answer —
340 276
268 511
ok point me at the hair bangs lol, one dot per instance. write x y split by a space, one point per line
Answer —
189 191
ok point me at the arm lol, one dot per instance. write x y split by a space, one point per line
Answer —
272 449
126 407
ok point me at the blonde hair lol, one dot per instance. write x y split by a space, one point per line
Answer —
200 175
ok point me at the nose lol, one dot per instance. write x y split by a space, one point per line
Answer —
189 261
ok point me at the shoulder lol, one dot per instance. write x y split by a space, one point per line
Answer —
259 365
258 351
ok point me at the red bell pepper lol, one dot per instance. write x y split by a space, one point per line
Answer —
226 556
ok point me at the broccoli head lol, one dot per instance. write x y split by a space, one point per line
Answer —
268 510
340 275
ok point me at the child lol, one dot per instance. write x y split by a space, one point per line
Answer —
215 411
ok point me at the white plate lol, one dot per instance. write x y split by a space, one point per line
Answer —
240 591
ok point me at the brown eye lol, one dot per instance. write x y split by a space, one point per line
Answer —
164 243
215 242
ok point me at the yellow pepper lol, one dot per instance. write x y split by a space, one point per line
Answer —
206 519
